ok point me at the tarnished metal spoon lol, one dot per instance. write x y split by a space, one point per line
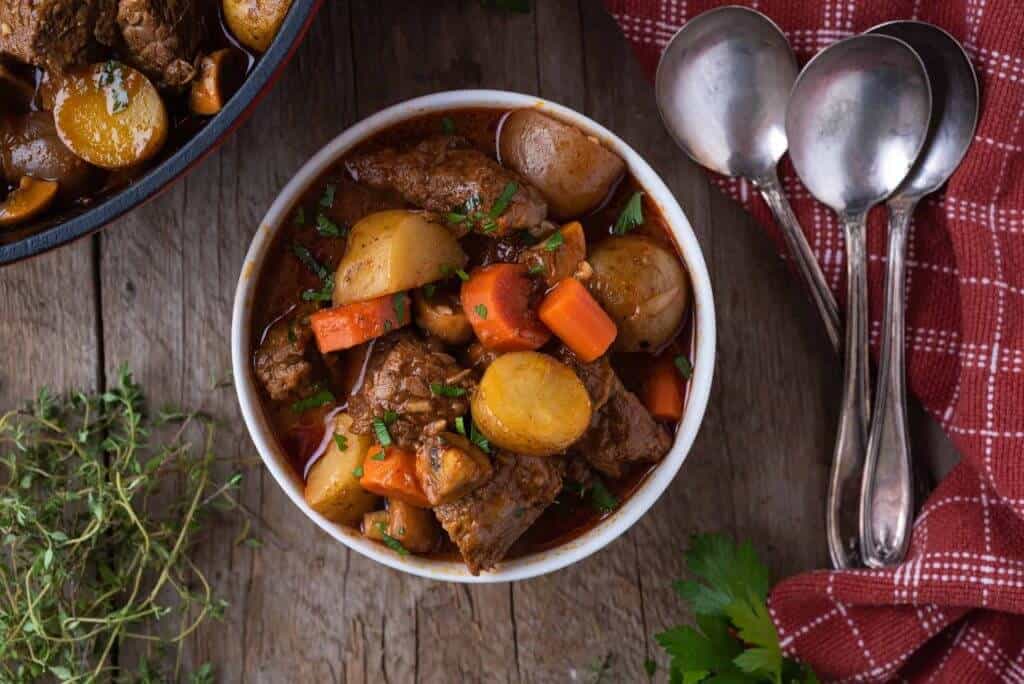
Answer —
722 87
856 122
887 501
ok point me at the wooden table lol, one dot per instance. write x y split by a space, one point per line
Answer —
155 290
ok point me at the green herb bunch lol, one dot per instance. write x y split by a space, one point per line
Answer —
90 556
735 640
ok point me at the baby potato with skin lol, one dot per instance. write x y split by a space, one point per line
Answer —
110 115
255 22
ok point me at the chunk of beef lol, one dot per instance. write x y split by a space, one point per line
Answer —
598 376
55 34
449 466
398 379
162 38
281 363
485 523
622 433
444 173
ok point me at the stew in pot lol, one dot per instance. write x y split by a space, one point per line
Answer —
93 91
472 336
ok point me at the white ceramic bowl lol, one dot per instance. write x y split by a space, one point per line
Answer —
655 482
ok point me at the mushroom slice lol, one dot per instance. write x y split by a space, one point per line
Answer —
29 199
220 75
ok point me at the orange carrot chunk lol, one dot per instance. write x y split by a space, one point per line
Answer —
496 299
578 320
346 326
391 471
663 390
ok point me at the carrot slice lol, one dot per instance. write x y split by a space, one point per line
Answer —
496 299
663 391
346 326
577 319
391 472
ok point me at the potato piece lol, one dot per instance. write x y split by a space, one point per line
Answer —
449 466
442 316
110 115
220 74
375 525
392 251
643 287
332 488
529 403
573 172
255 22
415 528
29 199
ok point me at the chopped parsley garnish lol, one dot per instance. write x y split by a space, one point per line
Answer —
329 228
501 204
399 301
463 276
325 293
536 269
456 218
300 216
358 471
390 417
429 289
341 441
488 225
460 425
447 270
602 499
379 456
441 389
380 429
480 310
112 81
684 366
477 438
448 126
328 197
554 242
321 398
632 215
391 542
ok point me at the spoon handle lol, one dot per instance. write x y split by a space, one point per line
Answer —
808 266
848 458
887 498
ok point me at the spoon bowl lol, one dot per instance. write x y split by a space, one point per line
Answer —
722 87
857 119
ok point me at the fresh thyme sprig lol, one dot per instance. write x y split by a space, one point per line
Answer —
90 558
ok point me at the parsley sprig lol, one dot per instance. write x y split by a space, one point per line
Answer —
326 276
735 639
487 221
632 215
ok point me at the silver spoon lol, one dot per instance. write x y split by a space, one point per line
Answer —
722 87
857 119
887 501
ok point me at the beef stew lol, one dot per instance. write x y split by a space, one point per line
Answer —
94 92
444 364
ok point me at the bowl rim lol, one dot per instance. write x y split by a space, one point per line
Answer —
235 112
653 485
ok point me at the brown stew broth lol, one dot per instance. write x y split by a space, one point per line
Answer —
283 278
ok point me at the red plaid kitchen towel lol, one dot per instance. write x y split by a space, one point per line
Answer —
955 610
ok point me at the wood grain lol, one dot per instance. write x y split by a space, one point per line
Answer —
155 290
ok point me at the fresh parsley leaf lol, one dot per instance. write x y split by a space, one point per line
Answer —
380 429
536 269
307 259
429 289
463 276
357 471
324 294
504 199
379 456
391 542
448 126
554 242
601 498
341 441
329 228
443 390
477 438
684 366
390 417
399 302
460 425
321 398
632 215
480 310
456 218
327 200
